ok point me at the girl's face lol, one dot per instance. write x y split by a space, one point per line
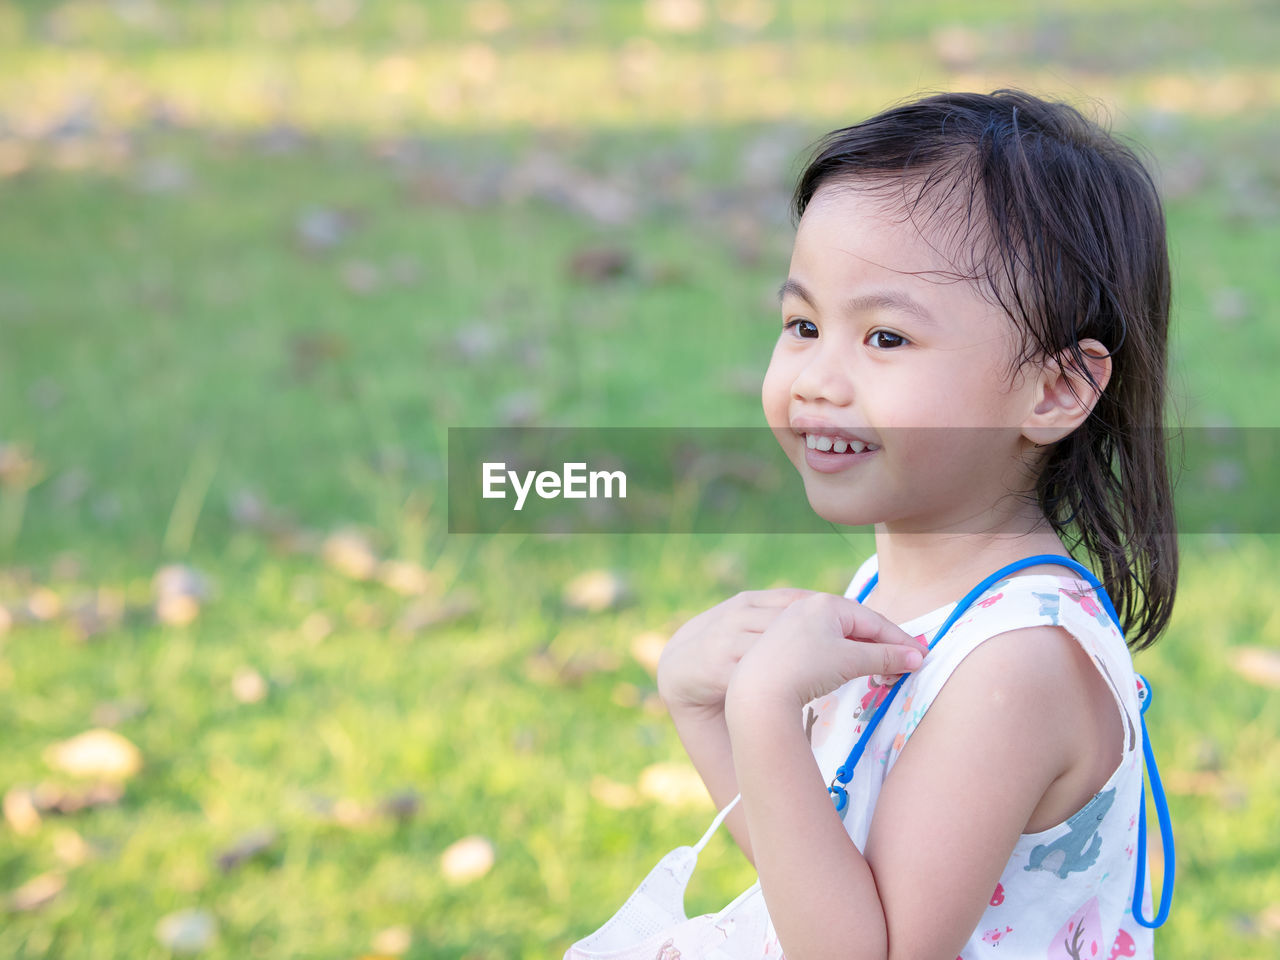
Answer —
926 386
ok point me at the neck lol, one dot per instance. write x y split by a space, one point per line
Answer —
919 572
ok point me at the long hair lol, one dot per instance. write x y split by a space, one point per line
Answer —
1069 240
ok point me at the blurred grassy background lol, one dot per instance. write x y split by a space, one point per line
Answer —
255 258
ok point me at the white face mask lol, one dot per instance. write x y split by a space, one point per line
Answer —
652 924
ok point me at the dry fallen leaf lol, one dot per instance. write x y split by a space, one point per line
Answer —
610 793
315 627
675 16
467 860
605 201
1268 920
112 713
1260 665
598 264
309 350
43 604
187 931
179 591
477 341
349 813
542 668
393 940
350 554
97 613
55 798
162 175
673 785
251 845
402 805
727 568
546 668
95 753
71 848
424 614
37 892
180 580
248 509
321 228
404 578
248 685
520 408
594 591
177 611
20 810
361 277
647 648
18 469
1230 305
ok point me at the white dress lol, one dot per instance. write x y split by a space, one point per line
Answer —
1066 892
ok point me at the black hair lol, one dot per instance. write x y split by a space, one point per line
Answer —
1070 241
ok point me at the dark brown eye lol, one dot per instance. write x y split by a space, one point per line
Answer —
887 340
808 325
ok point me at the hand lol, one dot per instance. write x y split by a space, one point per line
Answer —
700 657
820 643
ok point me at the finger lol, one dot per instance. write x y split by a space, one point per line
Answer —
881 680
882 663
863 623
892 660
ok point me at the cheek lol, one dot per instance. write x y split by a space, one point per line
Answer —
947 399
775 391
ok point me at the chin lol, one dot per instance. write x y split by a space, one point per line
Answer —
841 508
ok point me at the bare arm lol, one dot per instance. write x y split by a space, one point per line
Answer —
694 673
943 829
705 736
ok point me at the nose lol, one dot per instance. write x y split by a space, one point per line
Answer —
823 377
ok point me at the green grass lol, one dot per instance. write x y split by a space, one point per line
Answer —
164 350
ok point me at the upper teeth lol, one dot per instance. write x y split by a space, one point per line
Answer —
836 444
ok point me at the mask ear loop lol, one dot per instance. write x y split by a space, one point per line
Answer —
1166 826
715 824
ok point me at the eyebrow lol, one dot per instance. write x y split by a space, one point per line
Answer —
874 300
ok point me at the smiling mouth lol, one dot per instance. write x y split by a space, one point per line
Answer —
825 444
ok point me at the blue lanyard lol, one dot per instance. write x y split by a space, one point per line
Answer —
845 773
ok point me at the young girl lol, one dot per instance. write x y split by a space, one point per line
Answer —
972 358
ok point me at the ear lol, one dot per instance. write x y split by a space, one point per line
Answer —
1063 397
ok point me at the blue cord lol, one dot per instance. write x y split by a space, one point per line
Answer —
1166 826
844 774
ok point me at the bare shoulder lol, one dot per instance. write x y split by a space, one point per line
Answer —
1043 689
1028 665
1030 678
